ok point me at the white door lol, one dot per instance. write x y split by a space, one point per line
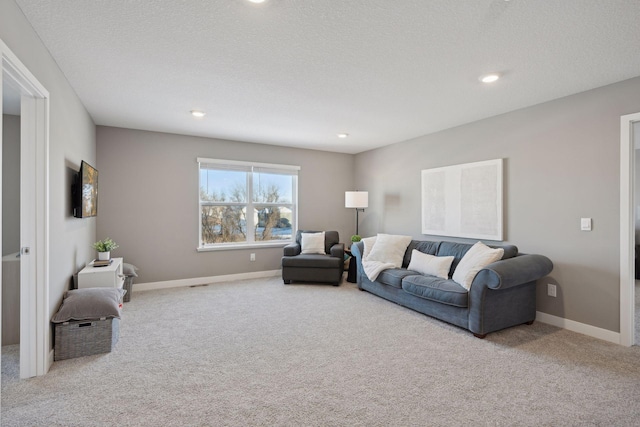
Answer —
34 205
629 132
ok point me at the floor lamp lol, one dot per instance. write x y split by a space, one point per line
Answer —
358 200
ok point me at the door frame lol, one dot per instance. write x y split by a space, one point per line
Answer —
627 229
35 330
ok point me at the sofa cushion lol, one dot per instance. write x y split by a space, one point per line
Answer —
426 247
393 276
312 261
509 250
458 250
436 289
330 238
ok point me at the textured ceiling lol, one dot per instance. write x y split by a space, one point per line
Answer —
297 72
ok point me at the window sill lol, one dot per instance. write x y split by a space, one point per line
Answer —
233 247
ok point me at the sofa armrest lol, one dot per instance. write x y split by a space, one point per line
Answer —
292 249
357 249
337 250
513 271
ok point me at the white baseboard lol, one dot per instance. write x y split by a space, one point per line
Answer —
581 328
195 281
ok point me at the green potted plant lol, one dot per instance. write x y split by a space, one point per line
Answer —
104 248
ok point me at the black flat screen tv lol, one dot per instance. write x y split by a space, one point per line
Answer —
85 192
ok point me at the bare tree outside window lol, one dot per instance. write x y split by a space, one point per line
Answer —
227 215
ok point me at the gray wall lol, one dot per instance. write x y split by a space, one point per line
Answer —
562 162
148 200
72 139
10 184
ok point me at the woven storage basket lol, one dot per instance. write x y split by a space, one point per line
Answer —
128 286
78 338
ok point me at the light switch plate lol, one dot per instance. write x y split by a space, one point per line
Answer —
585 224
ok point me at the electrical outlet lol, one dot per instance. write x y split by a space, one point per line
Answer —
551 290
252 257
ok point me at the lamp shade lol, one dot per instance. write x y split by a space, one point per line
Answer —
356 199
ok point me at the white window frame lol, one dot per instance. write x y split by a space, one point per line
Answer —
251 168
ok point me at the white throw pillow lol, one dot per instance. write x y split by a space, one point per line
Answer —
432 265
476 258
368 243
312 243
389 248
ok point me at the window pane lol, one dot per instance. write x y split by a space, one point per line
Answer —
272 223
272 188
223 185
246 203
223 224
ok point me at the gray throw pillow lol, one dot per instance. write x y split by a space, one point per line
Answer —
129 269
90 304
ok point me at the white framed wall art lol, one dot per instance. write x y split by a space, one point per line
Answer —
463 200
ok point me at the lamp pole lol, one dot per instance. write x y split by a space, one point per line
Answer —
357 200
357 220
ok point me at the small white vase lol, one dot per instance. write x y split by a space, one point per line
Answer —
104 256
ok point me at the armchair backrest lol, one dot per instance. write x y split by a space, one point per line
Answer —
330 238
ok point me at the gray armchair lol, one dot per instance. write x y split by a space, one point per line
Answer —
327 267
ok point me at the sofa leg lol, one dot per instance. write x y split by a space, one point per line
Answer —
530 322
481 336
336 284
286 282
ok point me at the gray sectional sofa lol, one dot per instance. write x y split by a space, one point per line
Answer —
503 294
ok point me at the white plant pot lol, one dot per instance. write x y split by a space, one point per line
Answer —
104 256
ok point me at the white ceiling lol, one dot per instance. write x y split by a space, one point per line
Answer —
297 72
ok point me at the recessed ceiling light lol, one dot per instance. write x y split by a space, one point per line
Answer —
343 135
490 78
197 113
257 1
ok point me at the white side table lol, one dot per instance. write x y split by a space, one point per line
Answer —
102 277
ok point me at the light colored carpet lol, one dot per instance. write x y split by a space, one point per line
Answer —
257 353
